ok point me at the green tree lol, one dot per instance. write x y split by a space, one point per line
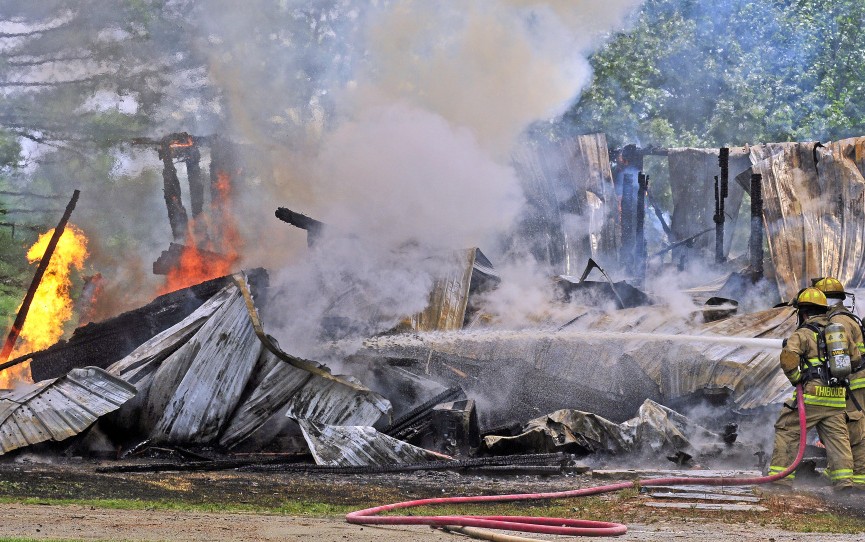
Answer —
696 73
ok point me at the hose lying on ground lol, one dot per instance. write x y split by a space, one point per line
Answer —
558 526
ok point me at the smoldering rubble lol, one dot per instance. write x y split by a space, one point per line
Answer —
452 383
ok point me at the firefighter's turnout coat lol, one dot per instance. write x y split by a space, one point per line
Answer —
825 408
856 393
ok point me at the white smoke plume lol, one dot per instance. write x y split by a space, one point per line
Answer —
427 121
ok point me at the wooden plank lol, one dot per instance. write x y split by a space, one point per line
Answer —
704 496
708 506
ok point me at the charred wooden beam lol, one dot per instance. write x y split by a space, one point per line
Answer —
176 212
414 423
721 192
756 243
312 226
9 345
224 171
629 214
640 233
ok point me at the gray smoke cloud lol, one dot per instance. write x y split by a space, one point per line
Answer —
393 121
416 151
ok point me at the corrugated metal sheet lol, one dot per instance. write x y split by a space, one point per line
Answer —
526 374
329 402
449 297
274 383
196 389
814 212
139 366
569 187
210 379
358 446
59 408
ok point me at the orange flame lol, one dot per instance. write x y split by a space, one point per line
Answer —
188 143
219 254
52 305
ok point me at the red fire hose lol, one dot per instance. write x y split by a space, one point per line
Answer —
558 526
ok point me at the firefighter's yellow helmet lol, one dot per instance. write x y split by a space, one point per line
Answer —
830 286
811 296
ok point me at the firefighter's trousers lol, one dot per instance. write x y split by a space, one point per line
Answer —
856 430
831 424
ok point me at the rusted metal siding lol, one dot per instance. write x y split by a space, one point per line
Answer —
59 408
569 185
814 212
449 297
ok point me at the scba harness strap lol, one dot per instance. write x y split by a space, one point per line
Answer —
816 368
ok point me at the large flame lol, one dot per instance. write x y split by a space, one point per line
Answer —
52 305
219 253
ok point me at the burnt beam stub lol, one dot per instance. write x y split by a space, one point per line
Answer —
177 217
312 226
640 233
756 242
721 193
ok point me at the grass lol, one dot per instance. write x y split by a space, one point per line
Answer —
793 513
287 508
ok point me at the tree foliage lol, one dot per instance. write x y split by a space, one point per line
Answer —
698 73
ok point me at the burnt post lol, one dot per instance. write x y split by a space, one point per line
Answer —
756 243
9 345
176 213
721 192
640 232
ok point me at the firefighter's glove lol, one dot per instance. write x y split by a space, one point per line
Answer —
794 376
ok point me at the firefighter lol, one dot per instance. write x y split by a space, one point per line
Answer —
838 313
825 405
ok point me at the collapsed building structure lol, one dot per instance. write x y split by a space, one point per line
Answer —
195 367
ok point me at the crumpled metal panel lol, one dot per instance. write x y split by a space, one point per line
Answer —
59 408
329 402
655 429
273 384
518 373
196 389
359 446
814 212
208 378
570 191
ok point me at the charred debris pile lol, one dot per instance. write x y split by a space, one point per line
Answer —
193 380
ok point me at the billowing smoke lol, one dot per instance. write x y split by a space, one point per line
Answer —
392 121
416 152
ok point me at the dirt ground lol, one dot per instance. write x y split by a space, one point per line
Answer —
40 485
